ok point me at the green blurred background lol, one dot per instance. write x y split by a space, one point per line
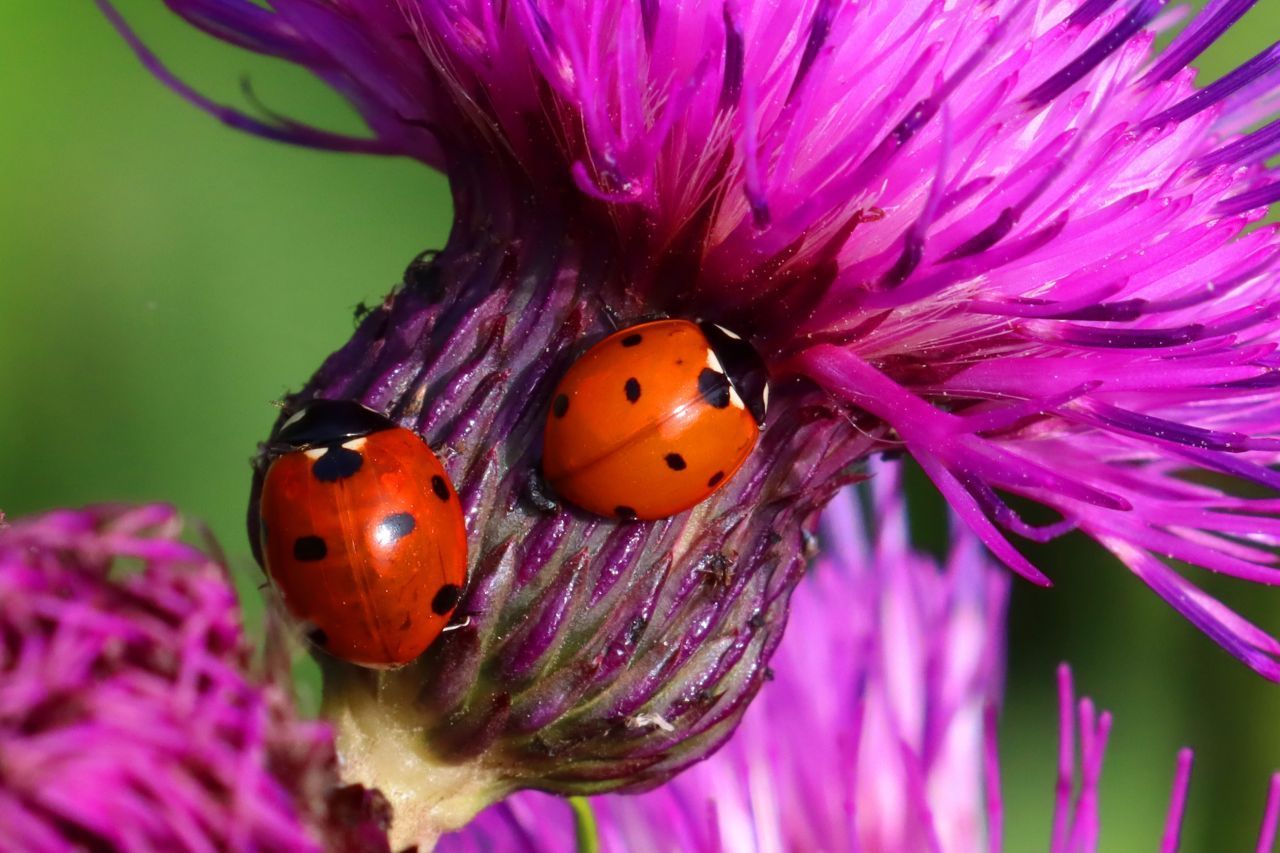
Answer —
164 279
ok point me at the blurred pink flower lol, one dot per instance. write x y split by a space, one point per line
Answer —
129 719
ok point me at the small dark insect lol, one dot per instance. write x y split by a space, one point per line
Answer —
717 570
360 311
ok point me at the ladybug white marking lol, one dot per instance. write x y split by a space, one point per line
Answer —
714 364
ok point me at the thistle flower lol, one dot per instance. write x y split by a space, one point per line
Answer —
878 731
128 719
999 234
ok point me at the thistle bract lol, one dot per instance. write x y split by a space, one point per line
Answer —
1003 236
129 717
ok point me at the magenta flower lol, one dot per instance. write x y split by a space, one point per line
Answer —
128 717
1000 235
878 731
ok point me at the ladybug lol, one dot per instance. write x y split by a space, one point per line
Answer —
362 533
654 419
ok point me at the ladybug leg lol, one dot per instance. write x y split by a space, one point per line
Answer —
456 625
539 493
611 317
615 322
448 452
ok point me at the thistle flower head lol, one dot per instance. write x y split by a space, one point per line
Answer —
128 719
878 731
1002 235
1006 235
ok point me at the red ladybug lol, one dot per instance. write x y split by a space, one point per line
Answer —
362 533
654 419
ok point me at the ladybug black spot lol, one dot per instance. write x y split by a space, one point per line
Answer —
440 487
633 389
394 528
309 549
318 636
631 340
715 479
560 405
714 387
446 599
626 513
336 464
676 462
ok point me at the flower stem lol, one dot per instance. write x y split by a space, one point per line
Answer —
381 746
586 834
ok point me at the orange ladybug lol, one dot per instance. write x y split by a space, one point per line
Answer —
362 533
654 419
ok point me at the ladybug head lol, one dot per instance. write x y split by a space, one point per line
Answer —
743 366
321 422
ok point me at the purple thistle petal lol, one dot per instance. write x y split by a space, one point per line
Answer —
1270 817
1172 837
280 130
1212 22
991 780
1089 11
1254 199
1139 16
1260 68
1255 147
1066 760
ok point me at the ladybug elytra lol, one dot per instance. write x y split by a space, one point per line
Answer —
362 533
654 418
